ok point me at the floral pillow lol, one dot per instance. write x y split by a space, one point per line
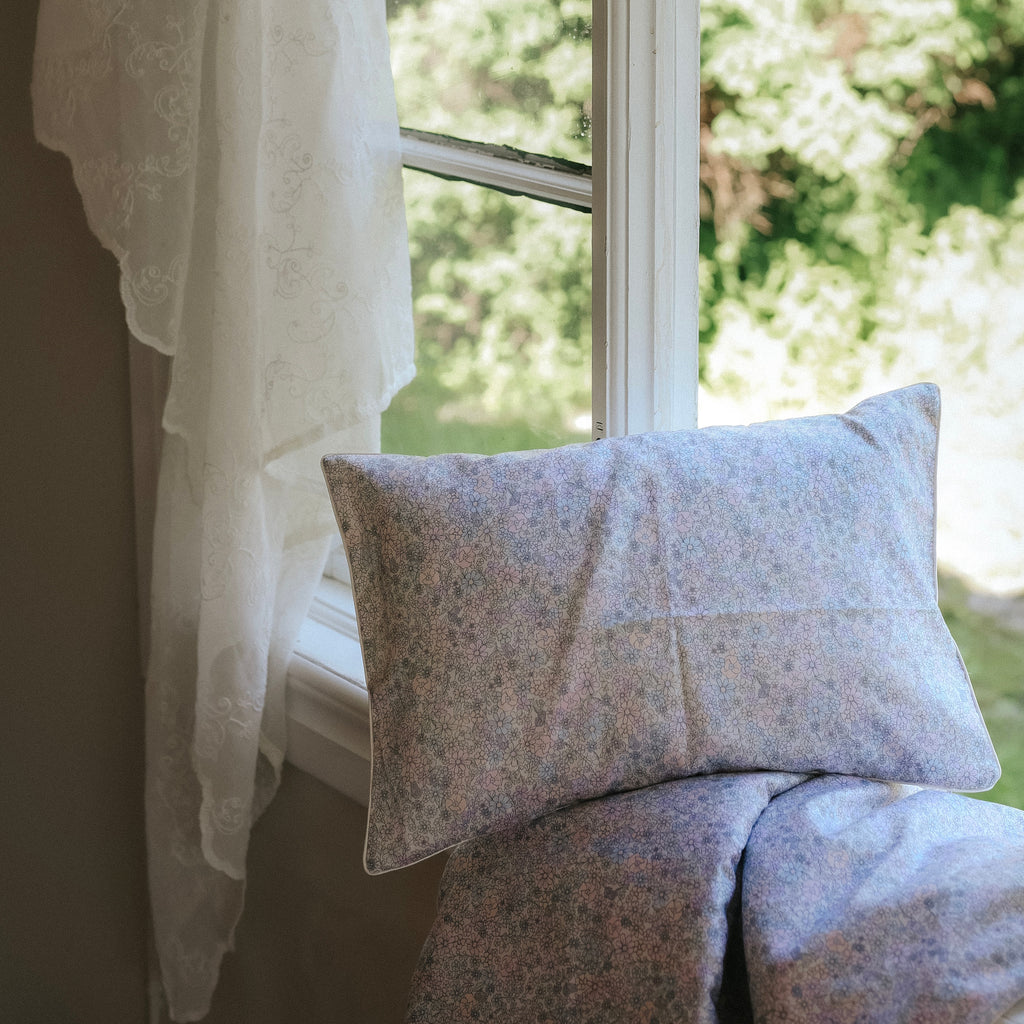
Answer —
544 627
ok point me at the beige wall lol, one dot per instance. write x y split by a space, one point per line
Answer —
72 897
320 941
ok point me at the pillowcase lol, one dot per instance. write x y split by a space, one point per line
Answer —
543 627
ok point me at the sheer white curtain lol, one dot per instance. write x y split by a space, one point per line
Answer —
240 158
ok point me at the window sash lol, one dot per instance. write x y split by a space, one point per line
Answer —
643 194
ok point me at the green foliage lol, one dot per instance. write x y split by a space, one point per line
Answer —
501 284
512 73
502 309
994 654
978 157
841 135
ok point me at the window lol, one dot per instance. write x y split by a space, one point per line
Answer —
645 244
644 212
644 311
495 103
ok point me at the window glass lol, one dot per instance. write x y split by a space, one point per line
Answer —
499 71
501 289
862 229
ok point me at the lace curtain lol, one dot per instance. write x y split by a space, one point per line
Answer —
240 158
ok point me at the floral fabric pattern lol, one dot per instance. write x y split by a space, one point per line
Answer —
752 897
540 628
879 903
605 912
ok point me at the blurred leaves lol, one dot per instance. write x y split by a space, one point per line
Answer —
855 154
501 284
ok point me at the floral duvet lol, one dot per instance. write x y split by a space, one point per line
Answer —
764 897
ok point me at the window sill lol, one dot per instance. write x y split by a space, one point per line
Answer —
328 707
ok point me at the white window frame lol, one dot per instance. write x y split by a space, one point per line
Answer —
645 232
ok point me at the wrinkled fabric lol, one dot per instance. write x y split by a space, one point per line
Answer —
754 897
867 902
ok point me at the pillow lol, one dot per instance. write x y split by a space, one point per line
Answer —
543 627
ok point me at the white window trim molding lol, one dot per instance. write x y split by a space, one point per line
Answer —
327 703
646 223
646 215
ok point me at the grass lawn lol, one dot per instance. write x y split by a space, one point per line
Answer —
994 654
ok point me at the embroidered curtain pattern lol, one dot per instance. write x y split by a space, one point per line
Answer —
241 160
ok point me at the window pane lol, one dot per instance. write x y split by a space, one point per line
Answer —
501 289
500 71
863 229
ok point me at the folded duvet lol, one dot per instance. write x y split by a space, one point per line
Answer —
766 897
